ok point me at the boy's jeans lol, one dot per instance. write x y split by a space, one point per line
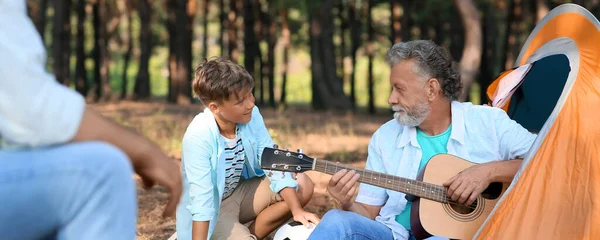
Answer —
73 191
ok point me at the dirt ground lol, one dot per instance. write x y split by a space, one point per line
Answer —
325 135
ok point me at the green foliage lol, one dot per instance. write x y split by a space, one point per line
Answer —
299 75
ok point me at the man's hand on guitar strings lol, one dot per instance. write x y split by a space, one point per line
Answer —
467 185
342 187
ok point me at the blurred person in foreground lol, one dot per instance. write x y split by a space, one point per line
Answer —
66 172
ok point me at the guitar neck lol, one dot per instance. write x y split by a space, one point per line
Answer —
387 181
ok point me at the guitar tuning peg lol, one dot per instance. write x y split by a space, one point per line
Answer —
300 150
287 148
275 146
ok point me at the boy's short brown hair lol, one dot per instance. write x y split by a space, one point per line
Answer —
218 78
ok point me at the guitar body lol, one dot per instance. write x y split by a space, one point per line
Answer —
433 213
450 219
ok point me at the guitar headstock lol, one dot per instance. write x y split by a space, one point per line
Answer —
285 160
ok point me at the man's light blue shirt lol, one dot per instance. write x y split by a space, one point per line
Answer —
203 168
430 146
479 134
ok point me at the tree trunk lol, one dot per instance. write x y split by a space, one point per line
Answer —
81 81
592 6
456 34
271 40
41 18
223 21
127 56
234 52
423 22
262 31
180 87
264 63
31 9
250 40
141 89
171 5
261 78
541 9
285 38
438 27
354 17
487 55
327 90
471 57
96 52
396 24
101 80
407 21
258 29
104 56
61 38
579 2
514 14
342 48
370 53
205 29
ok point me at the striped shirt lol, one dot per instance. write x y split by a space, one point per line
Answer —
234 162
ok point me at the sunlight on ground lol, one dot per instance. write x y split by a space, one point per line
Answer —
335 137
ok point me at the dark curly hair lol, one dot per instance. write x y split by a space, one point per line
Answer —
219 78
432 61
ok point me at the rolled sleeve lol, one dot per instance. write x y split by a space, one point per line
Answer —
279 180
196 156
515 141
35 110
369 194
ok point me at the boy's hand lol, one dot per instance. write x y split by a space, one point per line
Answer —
305 217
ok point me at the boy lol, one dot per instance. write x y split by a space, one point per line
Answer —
224 187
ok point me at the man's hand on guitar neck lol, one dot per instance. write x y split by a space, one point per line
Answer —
342 187
471 182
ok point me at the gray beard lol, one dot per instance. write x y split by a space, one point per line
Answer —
413 118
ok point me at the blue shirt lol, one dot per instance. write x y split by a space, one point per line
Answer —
203 168
431 146
479 134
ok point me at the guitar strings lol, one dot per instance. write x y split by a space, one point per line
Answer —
448 199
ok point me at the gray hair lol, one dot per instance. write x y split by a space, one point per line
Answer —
431 61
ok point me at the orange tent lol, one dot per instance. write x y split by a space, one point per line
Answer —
556 193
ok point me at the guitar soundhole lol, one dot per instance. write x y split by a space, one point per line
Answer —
493 191
464 213
462 209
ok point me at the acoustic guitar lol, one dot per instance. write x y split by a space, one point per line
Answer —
433 213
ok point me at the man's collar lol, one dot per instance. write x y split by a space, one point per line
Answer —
458 122
409 134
